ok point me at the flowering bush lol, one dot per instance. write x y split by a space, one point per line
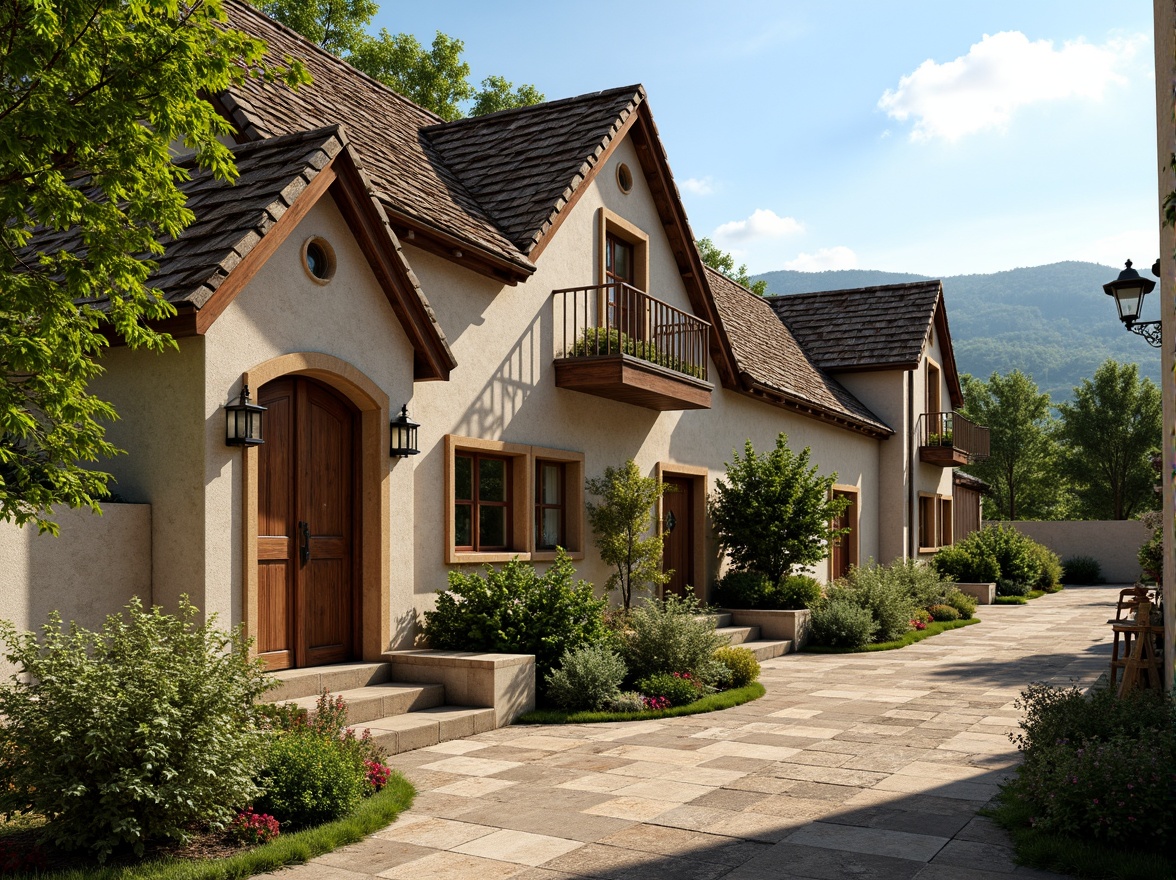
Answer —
254 828
943 613
378 774
679 688
918 624
656 703
18 857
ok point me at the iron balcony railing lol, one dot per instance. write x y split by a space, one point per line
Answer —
617 318
953 431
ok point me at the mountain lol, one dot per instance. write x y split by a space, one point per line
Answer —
1053 322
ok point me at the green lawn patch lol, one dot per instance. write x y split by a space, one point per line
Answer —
711 703
1082 857
373 813
915 635
1011 600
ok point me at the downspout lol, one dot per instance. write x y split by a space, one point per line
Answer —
912 532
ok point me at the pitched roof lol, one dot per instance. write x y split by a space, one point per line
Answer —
772 365
524 165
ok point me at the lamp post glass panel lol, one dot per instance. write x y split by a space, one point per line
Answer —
404 435
243 421
1129 289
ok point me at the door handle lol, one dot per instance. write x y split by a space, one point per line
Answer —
304 533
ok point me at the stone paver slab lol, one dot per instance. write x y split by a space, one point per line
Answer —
519 847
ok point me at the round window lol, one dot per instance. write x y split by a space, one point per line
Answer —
318 258
624 178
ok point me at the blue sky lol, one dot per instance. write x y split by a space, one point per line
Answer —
932 137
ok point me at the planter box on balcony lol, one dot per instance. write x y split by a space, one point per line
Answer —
775 625
984 594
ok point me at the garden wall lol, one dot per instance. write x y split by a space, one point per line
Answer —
90 570
1114 543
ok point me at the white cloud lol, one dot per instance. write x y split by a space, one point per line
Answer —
762 223
839 257
1000 75
699 186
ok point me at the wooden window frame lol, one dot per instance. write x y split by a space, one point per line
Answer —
930 501
933 386
945 528
855 545
541 506
475 503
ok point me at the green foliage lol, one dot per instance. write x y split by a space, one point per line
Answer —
1081 570
1007 588
794 592
943 612
131 735
1051 567
515 610
588 678
310 778
680 688
883 590
621 522
841 623
742 589
964 604
772 512
667 635
911 636
436 78
1108 432
721 261
918 580
94 96
1023 466
967 562
708 703
1099 765
627 701
1151 553
595 341
1015 554
742 664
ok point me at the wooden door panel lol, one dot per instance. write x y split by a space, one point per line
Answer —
274 638
678 544
275 489
326 621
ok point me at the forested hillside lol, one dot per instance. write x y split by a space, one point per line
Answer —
1052 322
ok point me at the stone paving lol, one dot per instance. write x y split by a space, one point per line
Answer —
861 765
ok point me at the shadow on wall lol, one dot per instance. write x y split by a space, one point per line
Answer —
1114 543
93 569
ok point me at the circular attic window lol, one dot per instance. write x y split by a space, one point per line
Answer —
624 178
318 259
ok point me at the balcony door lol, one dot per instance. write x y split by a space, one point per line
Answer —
305 525
620 268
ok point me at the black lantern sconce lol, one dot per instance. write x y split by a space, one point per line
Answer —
404 435
1129 289
243 421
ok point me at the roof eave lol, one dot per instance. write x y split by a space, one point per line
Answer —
775 396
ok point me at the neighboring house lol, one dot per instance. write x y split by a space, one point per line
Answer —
527 284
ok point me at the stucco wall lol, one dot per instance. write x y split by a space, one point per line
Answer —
92 569
1114 543
503 388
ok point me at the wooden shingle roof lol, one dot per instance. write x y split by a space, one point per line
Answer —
773 366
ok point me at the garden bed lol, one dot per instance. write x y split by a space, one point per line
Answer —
709 703
1024 600
915 635
211 856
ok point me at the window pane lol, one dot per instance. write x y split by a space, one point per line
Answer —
463 478
491 479
550 534
550 478
491 527
463 526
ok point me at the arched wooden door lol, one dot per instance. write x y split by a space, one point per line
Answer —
306 518
678 535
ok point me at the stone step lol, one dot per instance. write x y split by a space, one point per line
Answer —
295 683
737 635
721 619
767 649
382 700
427 727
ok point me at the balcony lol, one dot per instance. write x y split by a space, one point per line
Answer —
948 439
618 342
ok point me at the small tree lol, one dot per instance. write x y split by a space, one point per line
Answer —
773 512
621 522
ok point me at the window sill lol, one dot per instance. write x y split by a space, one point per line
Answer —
469 557
550 555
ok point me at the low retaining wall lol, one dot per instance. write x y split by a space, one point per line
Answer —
92 569
1114 543
776 625
502 682
984 594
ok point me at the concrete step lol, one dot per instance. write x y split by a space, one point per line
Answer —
295 683
382 700
737 635
427 727
721 619
766 649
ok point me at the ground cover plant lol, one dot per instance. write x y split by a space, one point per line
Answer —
915 634
1093 794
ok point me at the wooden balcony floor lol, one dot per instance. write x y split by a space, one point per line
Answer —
631 380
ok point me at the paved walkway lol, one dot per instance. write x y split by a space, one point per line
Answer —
863 765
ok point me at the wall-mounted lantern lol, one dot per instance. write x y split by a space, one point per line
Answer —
243 421
404 435
1129 289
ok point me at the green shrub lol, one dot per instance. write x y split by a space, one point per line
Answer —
967 563
922 616
1151 552
795 592
885 591
841 623
1081 570
667 636
1007 587
1014 553
742 589
679 688
587 678
131 735
310 778
515 610
627 701
741 662
943 612
964 604
1051 567
716 674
